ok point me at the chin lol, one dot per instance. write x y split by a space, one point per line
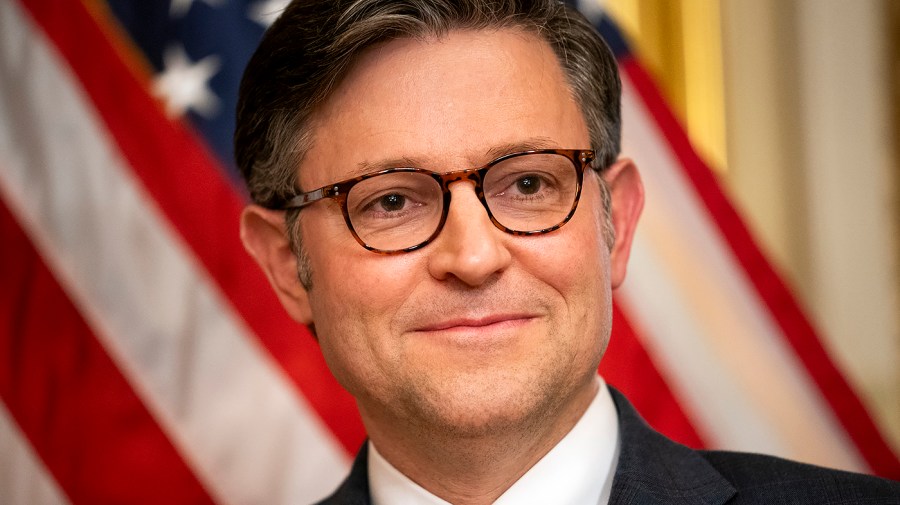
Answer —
482 405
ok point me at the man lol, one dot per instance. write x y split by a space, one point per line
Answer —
439 195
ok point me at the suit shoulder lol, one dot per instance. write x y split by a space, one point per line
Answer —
760 477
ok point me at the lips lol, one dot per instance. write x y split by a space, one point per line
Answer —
483 323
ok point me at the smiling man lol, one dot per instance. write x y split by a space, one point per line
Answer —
438 191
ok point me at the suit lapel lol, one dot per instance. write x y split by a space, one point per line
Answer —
355 489
655 470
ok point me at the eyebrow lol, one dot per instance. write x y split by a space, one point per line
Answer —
368 167
530 144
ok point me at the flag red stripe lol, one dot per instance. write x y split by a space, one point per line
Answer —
81 416
776 296
199 201
627 366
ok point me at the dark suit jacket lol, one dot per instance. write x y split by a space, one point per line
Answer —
655 470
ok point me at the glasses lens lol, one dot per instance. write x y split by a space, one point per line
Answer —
395 211
531 192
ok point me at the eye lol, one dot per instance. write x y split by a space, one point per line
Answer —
528 184
523 186
391 203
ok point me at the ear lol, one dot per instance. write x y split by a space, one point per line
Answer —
627 194
265 238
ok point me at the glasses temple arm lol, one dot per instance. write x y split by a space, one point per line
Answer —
304 199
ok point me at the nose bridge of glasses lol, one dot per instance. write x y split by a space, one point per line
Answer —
476 175
473 175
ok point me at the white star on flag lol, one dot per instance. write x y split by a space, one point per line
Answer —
179 8
265 12
184 84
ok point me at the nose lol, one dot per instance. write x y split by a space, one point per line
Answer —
469 246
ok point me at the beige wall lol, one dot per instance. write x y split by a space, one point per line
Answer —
795 103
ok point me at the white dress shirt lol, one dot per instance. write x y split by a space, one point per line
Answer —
577 471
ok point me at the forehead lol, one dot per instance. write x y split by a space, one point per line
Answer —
444 103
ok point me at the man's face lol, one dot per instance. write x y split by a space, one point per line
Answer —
479 330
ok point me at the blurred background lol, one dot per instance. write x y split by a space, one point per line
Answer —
796 106
144 358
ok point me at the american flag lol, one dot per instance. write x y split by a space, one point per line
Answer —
144 358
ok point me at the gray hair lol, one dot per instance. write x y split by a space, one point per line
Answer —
307 51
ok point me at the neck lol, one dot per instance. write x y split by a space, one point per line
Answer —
477 469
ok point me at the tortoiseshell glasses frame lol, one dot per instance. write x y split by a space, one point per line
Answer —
580 159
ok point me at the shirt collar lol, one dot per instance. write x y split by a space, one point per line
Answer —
577 471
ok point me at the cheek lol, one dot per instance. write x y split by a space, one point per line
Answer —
348 336
575 259
354 299
575 263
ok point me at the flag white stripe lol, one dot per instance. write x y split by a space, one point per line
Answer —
227 406
705 326
23 478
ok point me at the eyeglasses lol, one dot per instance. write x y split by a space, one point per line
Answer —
403 209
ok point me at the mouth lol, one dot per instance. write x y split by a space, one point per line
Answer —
487 324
